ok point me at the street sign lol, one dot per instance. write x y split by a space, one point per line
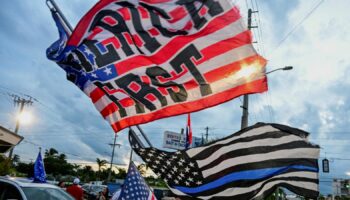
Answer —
325 165
177 141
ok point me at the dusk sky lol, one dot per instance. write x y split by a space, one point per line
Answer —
312 36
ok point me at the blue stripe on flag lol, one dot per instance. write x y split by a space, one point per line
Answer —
245 175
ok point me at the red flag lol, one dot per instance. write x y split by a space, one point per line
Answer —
144 60
188 131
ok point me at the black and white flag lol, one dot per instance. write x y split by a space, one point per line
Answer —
249 164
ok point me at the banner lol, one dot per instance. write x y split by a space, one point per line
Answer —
144 60
172 140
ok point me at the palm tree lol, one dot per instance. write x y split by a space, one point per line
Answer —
86 172
62 156
100 163
121 173
76 167
51 152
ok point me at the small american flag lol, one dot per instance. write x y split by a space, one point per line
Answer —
135 187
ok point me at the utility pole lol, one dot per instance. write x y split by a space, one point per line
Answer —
206 134
245 105
113 146
21 102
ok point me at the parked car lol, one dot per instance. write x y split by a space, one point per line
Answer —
22 189
91 191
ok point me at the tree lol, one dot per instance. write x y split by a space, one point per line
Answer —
62 156
56 164
100 163
142 169
5 166
15 159
51 152
121 173
26 168
86 173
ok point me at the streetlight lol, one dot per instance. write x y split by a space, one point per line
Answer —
25 117
244 122
282 68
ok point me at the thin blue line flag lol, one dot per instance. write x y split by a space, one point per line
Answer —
249 164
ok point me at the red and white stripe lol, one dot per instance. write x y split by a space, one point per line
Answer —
224 42
151 196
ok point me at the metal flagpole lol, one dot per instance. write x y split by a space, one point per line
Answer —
144 135
54 7
58 11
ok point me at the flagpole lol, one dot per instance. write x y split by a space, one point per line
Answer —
131 151
56 9
144 136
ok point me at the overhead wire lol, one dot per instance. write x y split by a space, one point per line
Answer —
87 158
313 9
48 110
257 33
260 29
44 135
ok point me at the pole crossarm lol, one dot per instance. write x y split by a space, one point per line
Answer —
21 102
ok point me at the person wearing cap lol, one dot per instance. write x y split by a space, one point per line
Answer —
75 190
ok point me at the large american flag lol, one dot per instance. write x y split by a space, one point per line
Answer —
249 164
142 60
135 187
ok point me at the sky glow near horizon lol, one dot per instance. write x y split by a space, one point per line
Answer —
313 96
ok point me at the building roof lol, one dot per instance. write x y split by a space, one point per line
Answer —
8 139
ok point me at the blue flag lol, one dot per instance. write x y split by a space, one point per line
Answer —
39 170
55 51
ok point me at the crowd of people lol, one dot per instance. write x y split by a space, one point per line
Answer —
77 192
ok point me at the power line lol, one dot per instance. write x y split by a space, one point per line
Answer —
11 90
269 113
44 106
260 29
297 26
334 158
87 158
